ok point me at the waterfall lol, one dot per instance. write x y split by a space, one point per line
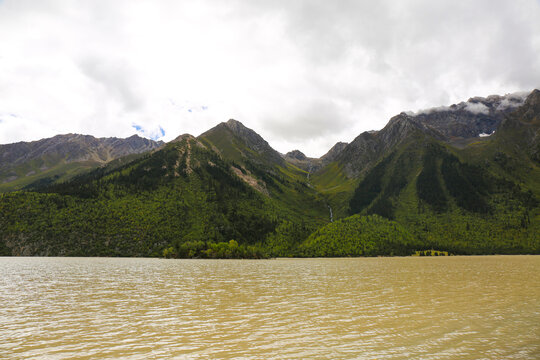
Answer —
331 214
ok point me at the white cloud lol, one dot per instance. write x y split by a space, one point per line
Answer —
154 133
430 110
476 108
304 74
513 100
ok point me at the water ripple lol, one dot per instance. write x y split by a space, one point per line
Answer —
386 308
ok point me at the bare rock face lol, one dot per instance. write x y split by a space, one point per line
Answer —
469 119
334 152
253 140
531 110
301 161
75 147
31 158
521 128
459 122
296 155
360 153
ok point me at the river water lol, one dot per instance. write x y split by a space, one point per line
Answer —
361 308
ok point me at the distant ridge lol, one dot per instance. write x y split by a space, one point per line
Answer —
62 156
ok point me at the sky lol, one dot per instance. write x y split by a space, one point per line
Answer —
303 74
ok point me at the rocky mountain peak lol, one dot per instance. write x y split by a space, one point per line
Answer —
296 154
232 123
533 100
253 140
468 119
235 135
530 111
240 129
332 154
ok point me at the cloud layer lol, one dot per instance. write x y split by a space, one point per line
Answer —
304 74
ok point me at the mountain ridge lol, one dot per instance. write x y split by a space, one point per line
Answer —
58 156
228 193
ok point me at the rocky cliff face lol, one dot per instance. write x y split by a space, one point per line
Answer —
520 130
476 116
334 152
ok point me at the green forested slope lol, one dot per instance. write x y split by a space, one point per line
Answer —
450 204
229 194
182 200
358 235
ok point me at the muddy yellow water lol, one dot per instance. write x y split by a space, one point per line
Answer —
381 308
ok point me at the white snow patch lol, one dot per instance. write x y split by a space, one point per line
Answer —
486 135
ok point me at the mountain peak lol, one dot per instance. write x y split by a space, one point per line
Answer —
530 110
533 99
27 162
296 154
183 137
332 154
234 123
237 127
234 137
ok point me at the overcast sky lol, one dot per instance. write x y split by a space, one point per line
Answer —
303 74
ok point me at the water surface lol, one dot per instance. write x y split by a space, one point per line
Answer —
362 308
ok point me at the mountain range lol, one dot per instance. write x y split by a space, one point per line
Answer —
63 156
462 179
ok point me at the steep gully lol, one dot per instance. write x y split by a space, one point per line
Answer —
309 184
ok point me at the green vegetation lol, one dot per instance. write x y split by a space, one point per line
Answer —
370 187
54 167
360 236
430 253
56 173
181 195
210 250
450 205
428 184
220 196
